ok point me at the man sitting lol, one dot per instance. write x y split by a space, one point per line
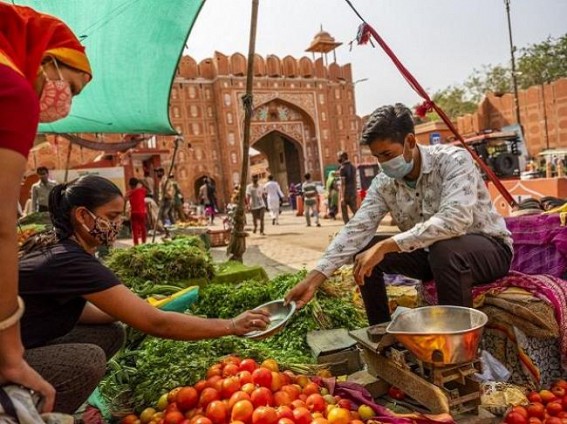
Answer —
450 230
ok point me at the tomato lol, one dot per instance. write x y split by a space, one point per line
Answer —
172 394
214 370
345 403
558 391
554 408
311 388
200 385
248 365
187 398
515 418
292 390
129 419
284 412
230 370
242 411
173 417
265 415
520 410
534 397
286 379
316 403
396 393
536 409
202 420
214 381
553 420
365 412
561 383
277 381
321 420
285 421
291 376
216 412
356 422
547 396
302 380
262 377
230 386
302 415
281 398
271 364
208 395
297 403
338 415
171 407
240 395
231 360
244 377
262 396
534 420
162 402
147 415
248 388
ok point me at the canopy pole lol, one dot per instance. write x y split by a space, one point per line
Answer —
68 163
237 245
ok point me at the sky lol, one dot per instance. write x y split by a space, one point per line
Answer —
440 41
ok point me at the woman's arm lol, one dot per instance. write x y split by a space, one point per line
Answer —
119 302
92 315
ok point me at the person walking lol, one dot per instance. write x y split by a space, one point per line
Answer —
255 202
347 173
274 196
332 194
40 190
206 198
310 194
136 197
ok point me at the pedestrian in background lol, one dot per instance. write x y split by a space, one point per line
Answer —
332 194
137 198
310 195
274 195
255 202
292 194
40 190
347 172
206 198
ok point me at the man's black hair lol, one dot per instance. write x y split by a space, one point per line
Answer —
133 182
270 177
388 122
42 170
307 176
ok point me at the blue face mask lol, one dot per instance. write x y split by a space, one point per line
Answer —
397 167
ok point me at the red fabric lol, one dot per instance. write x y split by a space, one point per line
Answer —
19 112
138 225
26 36
137 198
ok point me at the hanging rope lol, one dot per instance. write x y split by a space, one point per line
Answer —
364 35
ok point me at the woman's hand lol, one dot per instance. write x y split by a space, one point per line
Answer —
21 373
250 321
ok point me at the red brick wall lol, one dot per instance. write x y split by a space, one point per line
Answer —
538 104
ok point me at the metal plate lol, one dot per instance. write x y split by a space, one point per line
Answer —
279 316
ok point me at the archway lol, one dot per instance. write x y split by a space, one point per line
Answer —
199 182
285 157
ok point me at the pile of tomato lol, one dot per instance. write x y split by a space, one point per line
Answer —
545 407
243 392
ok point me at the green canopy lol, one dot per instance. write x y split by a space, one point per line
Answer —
134 47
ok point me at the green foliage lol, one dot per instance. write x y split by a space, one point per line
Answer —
168 263
543 62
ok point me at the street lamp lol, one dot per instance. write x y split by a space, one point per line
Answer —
514 75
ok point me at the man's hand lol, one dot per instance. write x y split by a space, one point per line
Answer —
365 262
304 291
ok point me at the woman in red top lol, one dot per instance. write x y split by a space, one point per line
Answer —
137 198
42 65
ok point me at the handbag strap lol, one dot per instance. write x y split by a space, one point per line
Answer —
8 405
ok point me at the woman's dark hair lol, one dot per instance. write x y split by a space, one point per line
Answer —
388 122
89 191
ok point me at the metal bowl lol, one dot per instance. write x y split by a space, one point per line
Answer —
279 316
441 335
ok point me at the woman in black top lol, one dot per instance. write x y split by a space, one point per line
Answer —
73 301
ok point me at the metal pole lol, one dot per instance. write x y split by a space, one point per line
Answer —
237 245
68 163
512 54
545 116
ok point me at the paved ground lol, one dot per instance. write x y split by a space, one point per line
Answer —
289 246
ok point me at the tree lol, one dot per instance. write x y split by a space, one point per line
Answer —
454 100
543 62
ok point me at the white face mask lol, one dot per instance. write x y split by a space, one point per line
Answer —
397 167
56 97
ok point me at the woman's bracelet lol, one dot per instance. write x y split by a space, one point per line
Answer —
15 317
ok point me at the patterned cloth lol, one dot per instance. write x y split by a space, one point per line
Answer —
450 199
546 287
540 244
